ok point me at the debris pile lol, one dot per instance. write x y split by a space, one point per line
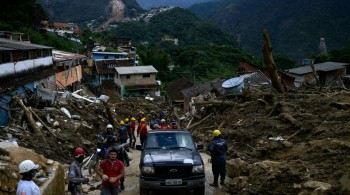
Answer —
281 143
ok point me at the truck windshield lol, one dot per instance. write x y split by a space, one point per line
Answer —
169 141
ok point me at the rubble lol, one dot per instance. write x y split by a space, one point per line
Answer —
282 143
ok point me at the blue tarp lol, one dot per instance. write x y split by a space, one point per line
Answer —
4 102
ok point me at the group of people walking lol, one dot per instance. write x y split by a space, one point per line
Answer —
112 168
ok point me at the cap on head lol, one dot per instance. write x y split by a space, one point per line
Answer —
26 166
162 121
121 123
216 133
143 120
126 120
133 119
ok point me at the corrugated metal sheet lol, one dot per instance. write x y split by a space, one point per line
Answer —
136 70
325 66
7 44
256 78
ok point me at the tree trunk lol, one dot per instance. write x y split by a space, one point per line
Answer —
269 62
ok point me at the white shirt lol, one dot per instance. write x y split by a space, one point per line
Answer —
27 188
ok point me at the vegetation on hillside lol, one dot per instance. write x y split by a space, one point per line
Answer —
295 26
15 14
176 23
82 11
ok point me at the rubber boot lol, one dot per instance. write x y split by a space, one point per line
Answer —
215 183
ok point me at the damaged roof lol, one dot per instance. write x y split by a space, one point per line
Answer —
197 89
136 70
108 66
174 90
255 78
63 55
325 66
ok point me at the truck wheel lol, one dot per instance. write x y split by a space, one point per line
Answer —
199 191
144 191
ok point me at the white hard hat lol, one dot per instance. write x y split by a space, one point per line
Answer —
26 166
109 126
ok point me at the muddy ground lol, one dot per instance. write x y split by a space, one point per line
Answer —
132 179
290 143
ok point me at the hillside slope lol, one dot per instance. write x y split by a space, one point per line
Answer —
147 4
80 11
295 26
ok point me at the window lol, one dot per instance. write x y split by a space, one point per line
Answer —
46 52
5 57
146 75
128 76
169 140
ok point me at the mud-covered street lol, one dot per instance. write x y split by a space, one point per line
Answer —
132 178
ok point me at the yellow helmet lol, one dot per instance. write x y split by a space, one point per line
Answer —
126 119
121 123
216 133
143 120
133 119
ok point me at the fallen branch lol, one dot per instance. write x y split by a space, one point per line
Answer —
189 123
199 122
29 115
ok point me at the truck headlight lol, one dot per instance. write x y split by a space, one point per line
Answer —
198 169
147 170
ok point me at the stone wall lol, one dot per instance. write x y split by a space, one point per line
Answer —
51 174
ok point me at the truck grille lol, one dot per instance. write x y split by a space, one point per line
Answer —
176 171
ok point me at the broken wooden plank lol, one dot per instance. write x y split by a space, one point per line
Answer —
199 122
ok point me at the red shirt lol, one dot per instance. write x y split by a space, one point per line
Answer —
111 170
142 129
163 126
132 126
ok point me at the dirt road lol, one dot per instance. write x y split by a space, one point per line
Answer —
132 178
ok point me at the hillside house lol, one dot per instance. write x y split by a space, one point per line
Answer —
62 28
104 71
108 55
24 68
329 73
136 80
11 35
